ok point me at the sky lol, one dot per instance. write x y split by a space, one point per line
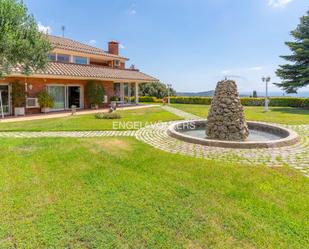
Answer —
191 44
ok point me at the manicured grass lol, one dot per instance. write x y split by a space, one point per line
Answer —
89 122
120 193
282 115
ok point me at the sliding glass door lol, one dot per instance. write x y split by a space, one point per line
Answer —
5 99
58 94
74 96
65 96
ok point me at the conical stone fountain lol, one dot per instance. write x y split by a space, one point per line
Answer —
226 119
226 125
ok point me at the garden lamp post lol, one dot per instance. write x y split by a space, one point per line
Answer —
266 80
168 93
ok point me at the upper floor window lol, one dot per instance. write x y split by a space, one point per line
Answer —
63 58
116 63
52 57
80 60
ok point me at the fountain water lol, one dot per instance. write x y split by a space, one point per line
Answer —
227 127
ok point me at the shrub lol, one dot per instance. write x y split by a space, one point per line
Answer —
274 101
45 100
113 98
292 102
158 100
95 92
18 94
191 100
156 89
277 101
246 101
252 101
148 99
109 115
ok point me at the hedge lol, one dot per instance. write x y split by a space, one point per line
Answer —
191 100
274 101
277 101
147 99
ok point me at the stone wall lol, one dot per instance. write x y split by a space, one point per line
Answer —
226 118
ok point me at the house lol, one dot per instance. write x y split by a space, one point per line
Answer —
71 65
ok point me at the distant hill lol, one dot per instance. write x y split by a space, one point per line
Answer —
244 94
198 94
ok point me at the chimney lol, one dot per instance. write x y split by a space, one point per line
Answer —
113 47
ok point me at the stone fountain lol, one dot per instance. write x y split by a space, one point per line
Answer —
226 125
226 119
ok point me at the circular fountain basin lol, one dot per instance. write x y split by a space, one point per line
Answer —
261 135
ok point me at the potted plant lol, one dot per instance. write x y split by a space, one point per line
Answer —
45 101
113 100
73 109
95 94
18 98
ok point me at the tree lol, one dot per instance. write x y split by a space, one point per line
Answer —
296 75
45 99
158 90
18 94
254 94
20 40
95 92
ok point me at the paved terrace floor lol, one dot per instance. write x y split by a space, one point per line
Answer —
296 156
66 114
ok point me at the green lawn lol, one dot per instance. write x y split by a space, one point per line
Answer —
282 115
89 122
121 193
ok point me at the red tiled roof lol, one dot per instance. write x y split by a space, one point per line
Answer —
88 71
69 44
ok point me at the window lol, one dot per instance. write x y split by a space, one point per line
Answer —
63 58
80 60
52 57
116 63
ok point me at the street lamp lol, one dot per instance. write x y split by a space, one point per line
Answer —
266 80
169 86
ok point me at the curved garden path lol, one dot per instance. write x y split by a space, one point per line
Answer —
38 134
296 156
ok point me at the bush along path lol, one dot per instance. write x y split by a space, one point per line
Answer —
295 156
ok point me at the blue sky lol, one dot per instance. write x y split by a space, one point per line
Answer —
189 43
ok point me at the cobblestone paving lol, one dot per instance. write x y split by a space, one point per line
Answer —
296 156
25 134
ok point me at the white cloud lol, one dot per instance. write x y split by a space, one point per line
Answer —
44 29
121 46
92 42
278 3
257 68
132 11
241 70
227 71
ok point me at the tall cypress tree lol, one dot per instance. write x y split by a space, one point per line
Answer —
296 75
